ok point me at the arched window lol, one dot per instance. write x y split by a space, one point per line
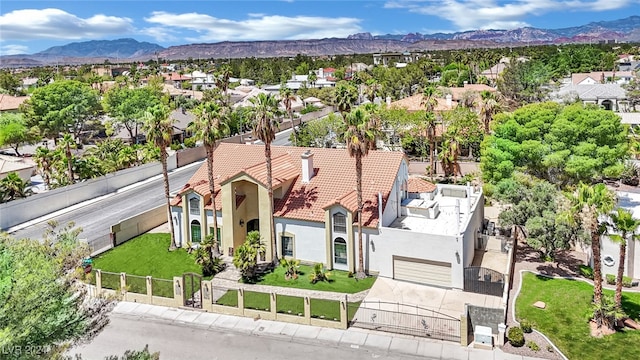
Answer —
194 206
196 233
339 223
340 251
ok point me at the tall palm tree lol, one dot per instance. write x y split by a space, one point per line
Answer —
429 102
287 97
345 96
358 135
210 126
625 226
312 78
222 82
265 125
44 159
157 127
67 143
587 204
489 106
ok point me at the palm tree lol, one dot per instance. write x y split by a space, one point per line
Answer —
222 81
157 127
44 159
489 106
358 135
210 126
587 204
312 78
67 143
429 102
12 187
264 113
287 97
625 226
345 96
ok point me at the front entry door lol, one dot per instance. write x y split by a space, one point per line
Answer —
253 225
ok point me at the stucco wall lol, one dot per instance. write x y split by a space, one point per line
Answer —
139 224
309 239
613 249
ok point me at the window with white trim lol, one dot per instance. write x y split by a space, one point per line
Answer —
287 245
339 223
340 251
194 206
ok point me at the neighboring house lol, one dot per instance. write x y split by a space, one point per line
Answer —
494 72
602 77
610 252
9 164
412 230
457 93
296 82
608 96
175 79
180 120
398 59
10 103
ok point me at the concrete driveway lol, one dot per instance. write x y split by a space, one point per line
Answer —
410 295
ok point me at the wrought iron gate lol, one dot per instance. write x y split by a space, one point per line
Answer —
192 293
483 281
404 319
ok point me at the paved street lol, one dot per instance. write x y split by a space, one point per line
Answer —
97 217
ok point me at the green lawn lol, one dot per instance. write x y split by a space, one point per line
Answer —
564 319
325 309
145 255
339 281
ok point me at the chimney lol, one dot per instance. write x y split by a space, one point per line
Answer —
448 98
307 166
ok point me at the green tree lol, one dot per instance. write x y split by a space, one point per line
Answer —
625 228
587 204
345 96
358 134
65 145
14 132
9 83
265 125
158 127
633 92
128 105
489 107
64 106
210 126
288 97
12 187
43 302
522 82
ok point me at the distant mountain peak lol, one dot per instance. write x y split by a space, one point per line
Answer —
118 48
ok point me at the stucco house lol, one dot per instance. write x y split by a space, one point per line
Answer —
610 251
412 230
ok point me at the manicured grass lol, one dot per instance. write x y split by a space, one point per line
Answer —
145 255
324 309
339 281
564 320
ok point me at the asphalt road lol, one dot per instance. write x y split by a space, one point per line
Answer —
97 217
184 341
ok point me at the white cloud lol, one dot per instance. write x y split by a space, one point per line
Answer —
13 49
29 24
255 26
500 14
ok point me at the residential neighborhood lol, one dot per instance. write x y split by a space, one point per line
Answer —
467 203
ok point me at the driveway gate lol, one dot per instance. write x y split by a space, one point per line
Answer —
192 293
404 319
483 281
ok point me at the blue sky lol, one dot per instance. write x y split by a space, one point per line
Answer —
32 26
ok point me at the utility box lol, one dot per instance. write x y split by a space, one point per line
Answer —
482 337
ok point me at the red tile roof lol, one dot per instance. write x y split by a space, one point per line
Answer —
334 181
419 185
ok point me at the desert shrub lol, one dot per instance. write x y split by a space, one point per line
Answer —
526 326
516 336
586 271
627 281
291 267
533 345
190 142
319 273
611 279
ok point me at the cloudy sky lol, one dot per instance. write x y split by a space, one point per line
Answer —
32 26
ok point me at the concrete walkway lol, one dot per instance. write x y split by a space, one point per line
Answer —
352 337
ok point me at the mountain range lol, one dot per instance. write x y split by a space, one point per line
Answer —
129 50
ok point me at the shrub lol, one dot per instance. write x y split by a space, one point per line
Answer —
627 281
586 271
526 326
290 268
319 273
533 345
611 279
309 109
190 142
516 336
549 348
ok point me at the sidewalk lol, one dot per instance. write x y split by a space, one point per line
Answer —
352 337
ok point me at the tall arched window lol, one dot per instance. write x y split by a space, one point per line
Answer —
340 251
194 206
339 223
196 232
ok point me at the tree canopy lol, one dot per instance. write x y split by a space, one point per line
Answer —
563 145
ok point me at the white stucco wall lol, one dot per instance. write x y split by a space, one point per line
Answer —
392 207
176 215
309 238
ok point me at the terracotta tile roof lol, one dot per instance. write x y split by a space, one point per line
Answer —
458 92
8 102
414 103
334 178
420 185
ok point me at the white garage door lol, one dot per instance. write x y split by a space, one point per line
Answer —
422 271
